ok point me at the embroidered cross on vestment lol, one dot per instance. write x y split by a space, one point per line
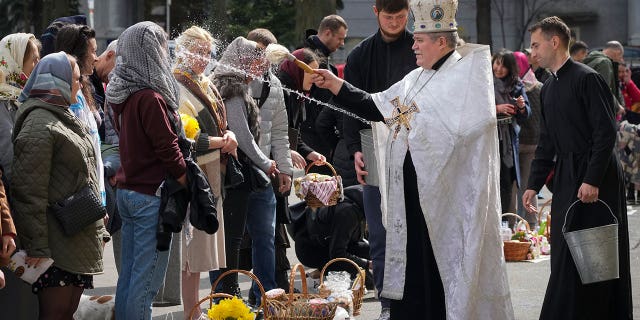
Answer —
401 116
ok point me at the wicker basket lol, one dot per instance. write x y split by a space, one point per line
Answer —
311 199
516 251
213 295
358 284
297 306
546 210
210 298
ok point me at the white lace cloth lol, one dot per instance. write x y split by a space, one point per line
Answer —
321 186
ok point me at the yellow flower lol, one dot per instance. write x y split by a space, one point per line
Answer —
191 126
230 309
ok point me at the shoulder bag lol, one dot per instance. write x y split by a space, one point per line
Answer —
78 211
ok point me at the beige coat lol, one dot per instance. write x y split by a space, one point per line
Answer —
203 252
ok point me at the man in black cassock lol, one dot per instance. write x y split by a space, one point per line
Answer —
376 63
578 131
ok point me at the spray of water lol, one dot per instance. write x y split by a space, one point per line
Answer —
299 94
275 54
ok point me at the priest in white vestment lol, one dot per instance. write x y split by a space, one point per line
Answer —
438 163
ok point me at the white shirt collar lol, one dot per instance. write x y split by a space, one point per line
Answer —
555 74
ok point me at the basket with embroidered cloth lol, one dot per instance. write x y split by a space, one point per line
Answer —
319 190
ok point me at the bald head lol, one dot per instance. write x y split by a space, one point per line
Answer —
614 50
106 61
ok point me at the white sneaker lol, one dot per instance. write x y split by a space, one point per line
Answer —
385 314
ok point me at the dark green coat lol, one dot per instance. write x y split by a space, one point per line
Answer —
53 159
608 69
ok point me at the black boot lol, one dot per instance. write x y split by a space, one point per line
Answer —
631 194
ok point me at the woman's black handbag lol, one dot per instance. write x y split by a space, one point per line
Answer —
258 179
233 176
78 211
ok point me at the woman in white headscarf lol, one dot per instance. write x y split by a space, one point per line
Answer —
19 53
214 143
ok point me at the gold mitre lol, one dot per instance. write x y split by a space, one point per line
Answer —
434 15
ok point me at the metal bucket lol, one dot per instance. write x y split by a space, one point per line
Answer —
594 250
369 153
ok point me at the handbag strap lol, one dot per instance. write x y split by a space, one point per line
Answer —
264 93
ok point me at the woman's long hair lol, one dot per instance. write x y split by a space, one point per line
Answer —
508 60
74 40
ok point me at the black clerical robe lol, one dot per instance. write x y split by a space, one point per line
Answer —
578 131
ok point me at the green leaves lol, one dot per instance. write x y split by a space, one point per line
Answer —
276 15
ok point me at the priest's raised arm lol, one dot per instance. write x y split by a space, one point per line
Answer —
347 96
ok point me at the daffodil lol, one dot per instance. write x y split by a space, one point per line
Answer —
191 126
230 309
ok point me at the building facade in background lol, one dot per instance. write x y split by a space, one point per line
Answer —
592 21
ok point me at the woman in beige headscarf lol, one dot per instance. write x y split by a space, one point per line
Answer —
19 54
200 99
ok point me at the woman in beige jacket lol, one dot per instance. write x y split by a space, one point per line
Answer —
199 99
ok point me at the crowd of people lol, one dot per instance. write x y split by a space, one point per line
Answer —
161 146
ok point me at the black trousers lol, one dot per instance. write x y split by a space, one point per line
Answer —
235 218
423 291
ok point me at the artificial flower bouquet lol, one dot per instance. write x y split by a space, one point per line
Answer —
524 244
230 309
539 243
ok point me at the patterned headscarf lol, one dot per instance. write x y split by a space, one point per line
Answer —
231 73
50 81
12 50
238 57
142 62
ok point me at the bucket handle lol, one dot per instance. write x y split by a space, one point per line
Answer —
574 203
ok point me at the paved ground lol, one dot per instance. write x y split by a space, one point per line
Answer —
527 280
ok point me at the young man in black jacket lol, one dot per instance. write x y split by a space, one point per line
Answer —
379 61
331 34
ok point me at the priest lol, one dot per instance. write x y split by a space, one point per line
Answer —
436 138
577 141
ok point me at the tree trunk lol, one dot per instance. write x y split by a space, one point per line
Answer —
36 18
309 13
483 22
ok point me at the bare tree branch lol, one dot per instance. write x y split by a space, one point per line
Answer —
483 22
533 10
499 5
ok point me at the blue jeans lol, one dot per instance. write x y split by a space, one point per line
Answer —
261 225
143 267
377 236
